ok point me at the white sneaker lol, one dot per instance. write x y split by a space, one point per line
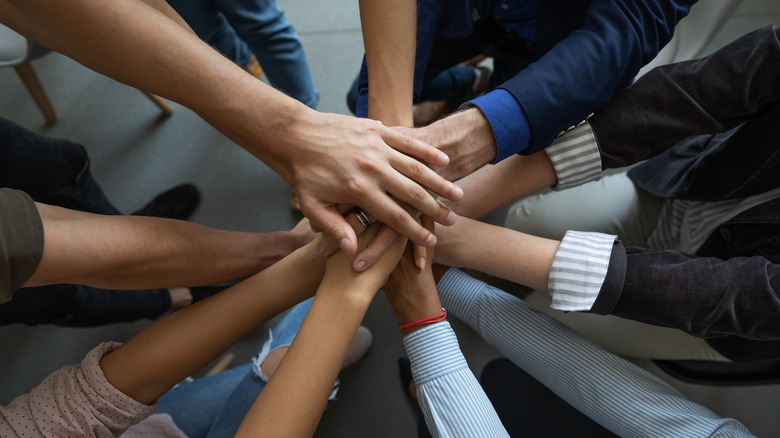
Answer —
359 347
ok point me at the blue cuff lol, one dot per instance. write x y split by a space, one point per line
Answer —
509 123
361 108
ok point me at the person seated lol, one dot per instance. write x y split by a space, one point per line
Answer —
695 218
58 172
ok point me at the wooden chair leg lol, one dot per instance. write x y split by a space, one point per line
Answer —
161 103
33 85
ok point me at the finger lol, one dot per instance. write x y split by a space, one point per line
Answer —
386 210
332 224
405 143
329 245
418 198
420 255
426 177
366 258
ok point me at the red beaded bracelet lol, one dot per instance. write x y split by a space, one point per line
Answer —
429 320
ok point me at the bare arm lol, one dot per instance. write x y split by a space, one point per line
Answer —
328 158
498 251
496 185
153 361
133 252
389 34
292 402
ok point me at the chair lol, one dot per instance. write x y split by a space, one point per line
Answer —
694 32
17 51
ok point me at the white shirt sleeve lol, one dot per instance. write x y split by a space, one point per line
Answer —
579 269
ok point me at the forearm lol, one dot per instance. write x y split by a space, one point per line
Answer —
162 355
133 252
498 251
389 34
294 399
493 186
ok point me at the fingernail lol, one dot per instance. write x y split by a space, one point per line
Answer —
343 244
421 263
431 240
321 249
361 265
451 218
442 159
456 192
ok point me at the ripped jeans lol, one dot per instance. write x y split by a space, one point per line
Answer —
214 406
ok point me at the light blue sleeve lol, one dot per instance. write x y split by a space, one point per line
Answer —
617 394
452 401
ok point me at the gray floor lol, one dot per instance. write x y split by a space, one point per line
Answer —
136 154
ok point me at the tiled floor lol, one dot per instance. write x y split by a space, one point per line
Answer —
136 154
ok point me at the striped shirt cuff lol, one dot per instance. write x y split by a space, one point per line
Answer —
433 351
575 157
579 269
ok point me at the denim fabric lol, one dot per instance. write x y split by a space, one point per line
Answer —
262 26
50 170
74 305
214 406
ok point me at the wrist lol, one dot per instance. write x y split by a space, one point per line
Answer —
417 302
467 138
287 133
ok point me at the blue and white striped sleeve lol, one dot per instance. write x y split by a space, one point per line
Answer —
617 394
452 401
575 156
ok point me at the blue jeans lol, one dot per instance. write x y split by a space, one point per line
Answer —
237 27
214 406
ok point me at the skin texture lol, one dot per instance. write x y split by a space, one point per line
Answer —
412 291
173 348
501 252
133 252
328 159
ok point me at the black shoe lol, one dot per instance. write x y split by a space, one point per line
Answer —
177 203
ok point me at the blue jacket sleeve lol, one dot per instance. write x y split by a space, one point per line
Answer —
584 70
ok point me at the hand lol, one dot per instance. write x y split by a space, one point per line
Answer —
385 237
343 160
465 136
412 291
339 270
